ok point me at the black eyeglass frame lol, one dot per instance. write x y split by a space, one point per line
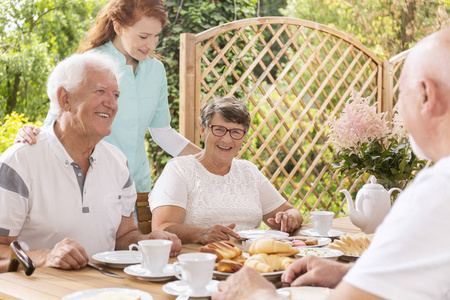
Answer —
227 130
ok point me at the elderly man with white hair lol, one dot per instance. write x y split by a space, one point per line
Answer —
71 195
409 256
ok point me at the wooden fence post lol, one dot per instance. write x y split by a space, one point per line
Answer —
387 101
187 86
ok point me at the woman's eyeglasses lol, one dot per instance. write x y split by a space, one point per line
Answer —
235 133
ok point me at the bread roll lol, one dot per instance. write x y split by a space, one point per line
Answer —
265 263
271 246
223 249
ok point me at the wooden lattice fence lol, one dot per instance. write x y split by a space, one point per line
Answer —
294 75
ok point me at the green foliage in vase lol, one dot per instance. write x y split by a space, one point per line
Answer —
366 143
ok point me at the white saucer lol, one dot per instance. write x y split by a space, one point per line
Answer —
86 294
331 234
180 287
118 259
144 274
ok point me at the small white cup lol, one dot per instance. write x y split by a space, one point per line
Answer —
196 270
321 221
155 254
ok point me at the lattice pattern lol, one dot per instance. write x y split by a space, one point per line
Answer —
396 68
293 77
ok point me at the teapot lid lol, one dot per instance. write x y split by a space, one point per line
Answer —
373 185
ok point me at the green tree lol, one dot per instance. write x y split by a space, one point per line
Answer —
34 36
9 127
387 27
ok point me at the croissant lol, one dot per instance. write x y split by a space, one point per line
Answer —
229 266
271 246
265 263
223 249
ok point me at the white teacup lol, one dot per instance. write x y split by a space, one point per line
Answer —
155 254
321 221
196 270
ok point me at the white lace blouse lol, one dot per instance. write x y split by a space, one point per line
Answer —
242 196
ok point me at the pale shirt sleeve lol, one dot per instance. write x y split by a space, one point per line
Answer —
409 256
169 139
268 195
14 196
170 189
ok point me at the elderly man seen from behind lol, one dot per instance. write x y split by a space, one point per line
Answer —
409 256
71 195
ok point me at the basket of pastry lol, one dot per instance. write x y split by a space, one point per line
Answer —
352 245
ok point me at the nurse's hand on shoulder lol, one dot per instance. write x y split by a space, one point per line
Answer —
27 134
67 254
164 235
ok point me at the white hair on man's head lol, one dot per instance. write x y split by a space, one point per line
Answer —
70 73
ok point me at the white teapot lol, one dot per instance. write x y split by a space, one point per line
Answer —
373 203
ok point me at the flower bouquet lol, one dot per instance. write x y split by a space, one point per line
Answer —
366 143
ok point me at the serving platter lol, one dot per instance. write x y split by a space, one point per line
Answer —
272 276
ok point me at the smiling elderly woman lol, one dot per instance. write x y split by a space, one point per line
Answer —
203 197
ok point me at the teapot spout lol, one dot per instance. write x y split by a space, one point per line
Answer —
357 217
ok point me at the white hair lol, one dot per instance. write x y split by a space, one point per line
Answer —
70 73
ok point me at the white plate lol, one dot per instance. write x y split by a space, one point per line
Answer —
269 276
96 292
260 234
144 274
180 287
320 241
328 253
331 234
307 290
118 259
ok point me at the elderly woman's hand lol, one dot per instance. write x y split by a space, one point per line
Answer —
285 221
218 233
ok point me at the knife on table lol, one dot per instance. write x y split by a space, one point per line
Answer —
106 272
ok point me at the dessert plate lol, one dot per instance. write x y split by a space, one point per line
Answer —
180 287
144 274
254 234
331 234
118 259
86 294
320 241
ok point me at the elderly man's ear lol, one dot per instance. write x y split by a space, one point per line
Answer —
431 103
63 99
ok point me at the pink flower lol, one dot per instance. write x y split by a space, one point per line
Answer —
359 123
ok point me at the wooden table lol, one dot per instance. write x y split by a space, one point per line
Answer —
49 283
